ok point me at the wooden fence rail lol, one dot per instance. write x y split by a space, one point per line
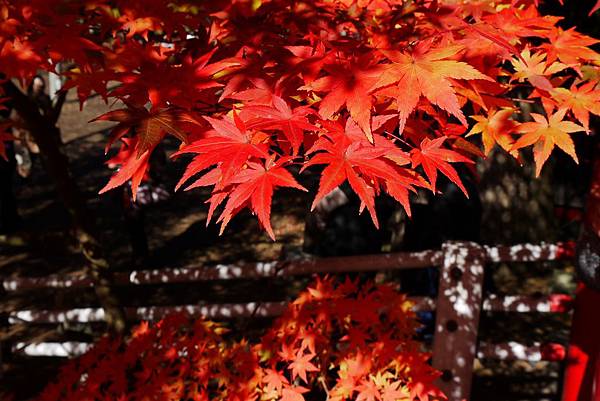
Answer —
345 264
458 305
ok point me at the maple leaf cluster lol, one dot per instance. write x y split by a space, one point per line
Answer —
336 341
385 95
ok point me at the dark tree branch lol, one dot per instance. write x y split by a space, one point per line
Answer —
57 106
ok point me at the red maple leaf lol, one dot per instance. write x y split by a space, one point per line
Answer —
19 59
349 83
434 158
256 184
422 385
595 8
292 122
309 60
258 91
133 166
62 45
229 145
88 82
248 80
366 166
166 84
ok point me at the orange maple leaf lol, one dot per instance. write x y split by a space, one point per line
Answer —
293 393
581 100
535 69
274 381
496 128
368 391
302 364
569 46
544 134
426 71
150 127
394 391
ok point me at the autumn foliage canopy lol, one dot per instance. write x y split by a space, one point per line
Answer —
384 94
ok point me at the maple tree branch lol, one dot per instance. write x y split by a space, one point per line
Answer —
57 107
516 99
57 166
325 387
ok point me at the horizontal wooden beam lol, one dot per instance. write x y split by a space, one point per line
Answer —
67 349
530 252
504 351
343 264
153 313
517 351
553 303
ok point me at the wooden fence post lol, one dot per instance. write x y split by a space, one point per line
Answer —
457 317
583 358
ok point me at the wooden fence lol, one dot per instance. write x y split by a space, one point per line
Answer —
458 305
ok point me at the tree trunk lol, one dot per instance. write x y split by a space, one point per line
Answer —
45 132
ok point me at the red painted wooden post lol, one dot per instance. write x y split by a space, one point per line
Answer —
583 357
597 381
584 348
458 306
